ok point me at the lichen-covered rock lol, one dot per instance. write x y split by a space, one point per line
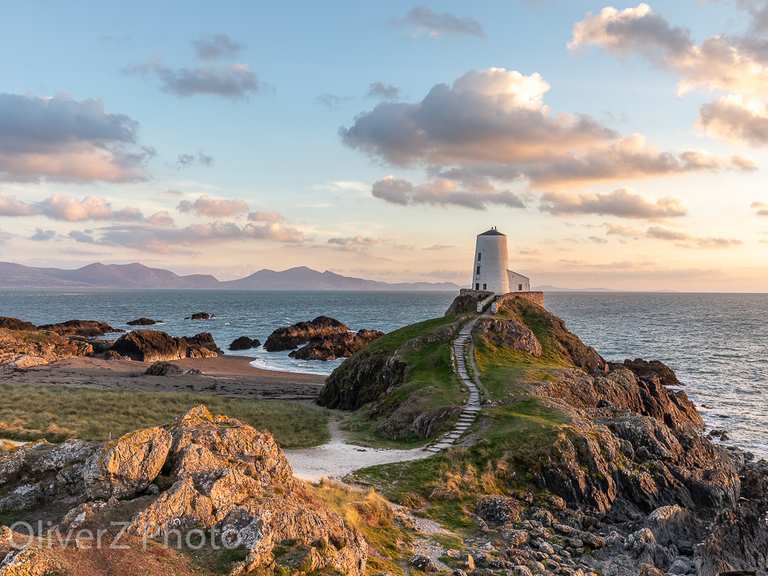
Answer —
293 336
229 476
654 369
342 345
156 346
127 466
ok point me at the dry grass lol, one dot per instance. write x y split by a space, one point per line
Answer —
389 542
34 412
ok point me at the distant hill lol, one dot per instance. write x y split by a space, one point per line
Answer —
138 276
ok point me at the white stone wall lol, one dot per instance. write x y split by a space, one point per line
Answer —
518 282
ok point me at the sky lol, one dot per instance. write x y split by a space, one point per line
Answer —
618 145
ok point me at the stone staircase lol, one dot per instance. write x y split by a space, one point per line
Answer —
472 407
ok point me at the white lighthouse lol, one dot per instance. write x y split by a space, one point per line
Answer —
491 273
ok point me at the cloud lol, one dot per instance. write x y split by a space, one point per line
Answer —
162 219
353 243
736 118
187 160
383 91
685 240
734 65
68 209
620 203
214 207
234 81
62 139
424 20
11 207
760 208
216 46
41 235
164 240
265 217
439 247
440 193
493 124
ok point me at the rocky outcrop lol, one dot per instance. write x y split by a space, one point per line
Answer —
342 345
156 346
9 323
143 322
29 348
169 369
218 475
244 343
508 333
295 335
86 328
201 316
653 370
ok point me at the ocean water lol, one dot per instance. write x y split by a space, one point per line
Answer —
717 343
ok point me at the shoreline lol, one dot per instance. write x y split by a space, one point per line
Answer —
231 376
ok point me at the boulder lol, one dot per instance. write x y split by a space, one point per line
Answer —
127 466
342 345
155 346
143 322
293 336
169 369
244 343
201 316
87 328
15 324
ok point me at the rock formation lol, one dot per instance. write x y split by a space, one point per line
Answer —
202 472
341 345
169 369
143 322
294 336
27 348
201 316
154 346
15 324
244 343
86 328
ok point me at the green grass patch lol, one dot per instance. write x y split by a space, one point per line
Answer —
445 486
35 412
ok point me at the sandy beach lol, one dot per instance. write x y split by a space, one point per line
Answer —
231 376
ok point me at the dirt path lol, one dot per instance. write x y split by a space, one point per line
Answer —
337 458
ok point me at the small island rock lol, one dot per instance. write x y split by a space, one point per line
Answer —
244 343
143 322
293 336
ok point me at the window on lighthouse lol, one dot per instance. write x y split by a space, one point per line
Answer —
479 256
478 270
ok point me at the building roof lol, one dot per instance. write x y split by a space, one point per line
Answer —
492 232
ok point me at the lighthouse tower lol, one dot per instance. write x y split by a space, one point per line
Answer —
491 258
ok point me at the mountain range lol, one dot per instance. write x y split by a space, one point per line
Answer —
137 276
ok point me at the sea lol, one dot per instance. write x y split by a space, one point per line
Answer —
717 343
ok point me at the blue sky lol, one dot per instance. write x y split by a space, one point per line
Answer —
277 148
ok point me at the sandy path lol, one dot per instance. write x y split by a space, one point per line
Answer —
337 458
